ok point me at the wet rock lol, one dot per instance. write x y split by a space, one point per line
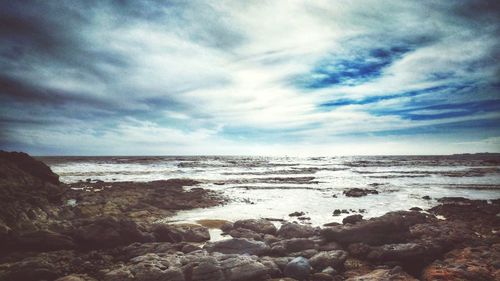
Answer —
76 277
259 226
245 233
293 230
44 240
272 268
329 270
389 228
299 268
334 259
358 192
29 193
411 256
352 219
43 266
30 269
146 267
426 197
227 226
270 239
336 212
416 209
188 248
206 270
329 246
332 224
297 214
480 215
321 276
241 268
139 249
108 232
30 166
293 245
237 246
308 253
181 232
470 263
395 274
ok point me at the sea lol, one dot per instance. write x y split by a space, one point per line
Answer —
274 187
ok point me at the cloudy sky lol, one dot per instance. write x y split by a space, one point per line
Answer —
249 77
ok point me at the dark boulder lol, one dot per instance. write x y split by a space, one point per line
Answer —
359 192
334 259
392 227
352 219
28 165
299 268
108 232
237 246
293 230
43 240
181 232
260 226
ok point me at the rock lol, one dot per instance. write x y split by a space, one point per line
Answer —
358 192
44 240
320 276
140 249
426 197
30 269
389 228
334 259
411 256
395 274
43 266
181 232
480 215
293 245
30 166
108 232
296 214
416 209
337 212
332 223
273 268
237 246
293 230
245 233
76 277
146 267
188 248
242 268
330 246
227 226
259 226
330 271
470 263
29 193
299 268
352 219
207 270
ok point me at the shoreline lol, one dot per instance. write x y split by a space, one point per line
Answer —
114 234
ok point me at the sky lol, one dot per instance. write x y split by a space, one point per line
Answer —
296 78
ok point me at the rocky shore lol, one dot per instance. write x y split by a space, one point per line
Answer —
111 231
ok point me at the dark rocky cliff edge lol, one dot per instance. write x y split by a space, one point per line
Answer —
109 231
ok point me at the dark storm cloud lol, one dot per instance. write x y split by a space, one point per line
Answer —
124 72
